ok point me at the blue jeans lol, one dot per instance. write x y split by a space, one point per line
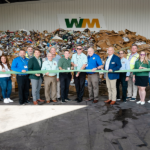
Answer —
6 86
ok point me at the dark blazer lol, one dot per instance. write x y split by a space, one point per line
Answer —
33 65
115 64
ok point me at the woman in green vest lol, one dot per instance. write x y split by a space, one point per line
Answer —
141 78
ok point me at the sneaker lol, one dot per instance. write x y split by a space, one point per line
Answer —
133 99
118 99
10 100
142 103
139 102
149 101
6 101
27 101
67 99
128 98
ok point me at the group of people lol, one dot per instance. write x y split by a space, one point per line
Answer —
130 81
57 84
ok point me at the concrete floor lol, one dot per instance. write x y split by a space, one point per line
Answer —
73 126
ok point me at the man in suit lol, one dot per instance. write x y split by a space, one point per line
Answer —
112 64
35 63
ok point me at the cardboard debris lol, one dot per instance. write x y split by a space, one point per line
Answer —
12 42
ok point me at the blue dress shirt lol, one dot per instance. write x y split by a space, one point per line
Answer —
93 62
20 64
125 65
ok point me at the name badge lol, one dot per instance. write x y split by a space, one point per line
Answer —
25 66
93 57
113 63
68 68
123 62
54 63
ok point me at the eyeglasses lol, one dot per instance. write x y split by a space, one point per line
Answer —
142 54
79 48
120 53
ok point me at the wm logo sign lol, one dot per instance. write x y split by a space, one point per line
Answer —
82 23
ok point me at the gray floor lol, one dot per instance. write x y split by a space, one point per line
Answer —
73 126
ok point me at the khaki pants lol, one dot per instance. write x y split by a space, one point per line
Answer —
50 83
111 85
132 88
58 90
93 86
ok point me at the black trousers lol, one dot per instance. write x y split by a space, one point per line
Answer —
65 79
23 86
80 84
124 86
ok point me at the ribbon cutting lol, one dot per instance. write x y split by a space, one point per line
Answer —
55 71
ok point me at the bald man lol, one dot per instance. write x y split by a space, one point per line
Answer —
112 64
94 63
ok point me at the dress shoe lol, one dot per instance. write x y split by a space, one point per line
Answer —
107 101
89 100
95 101
58 99
47 101
79 101
23 104
35 103
40 100
76 99
112 102
54 101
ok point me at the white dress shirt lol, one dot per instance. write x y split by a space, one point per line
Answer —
108 62
6 69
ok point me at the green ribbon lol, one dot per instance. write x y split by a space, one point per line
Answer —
61 71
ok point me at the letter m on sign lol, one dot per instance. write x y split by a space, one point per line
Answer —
74 21
91 25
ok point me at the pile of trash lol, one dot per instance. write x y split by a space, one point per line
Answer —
12 42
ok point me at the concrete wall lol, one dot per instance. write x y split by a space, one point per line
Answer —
118 14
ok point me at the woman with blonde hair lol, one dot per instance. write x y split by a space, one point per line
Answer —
141 78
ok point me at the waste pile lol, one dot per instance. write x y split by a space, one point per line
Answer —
12 42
